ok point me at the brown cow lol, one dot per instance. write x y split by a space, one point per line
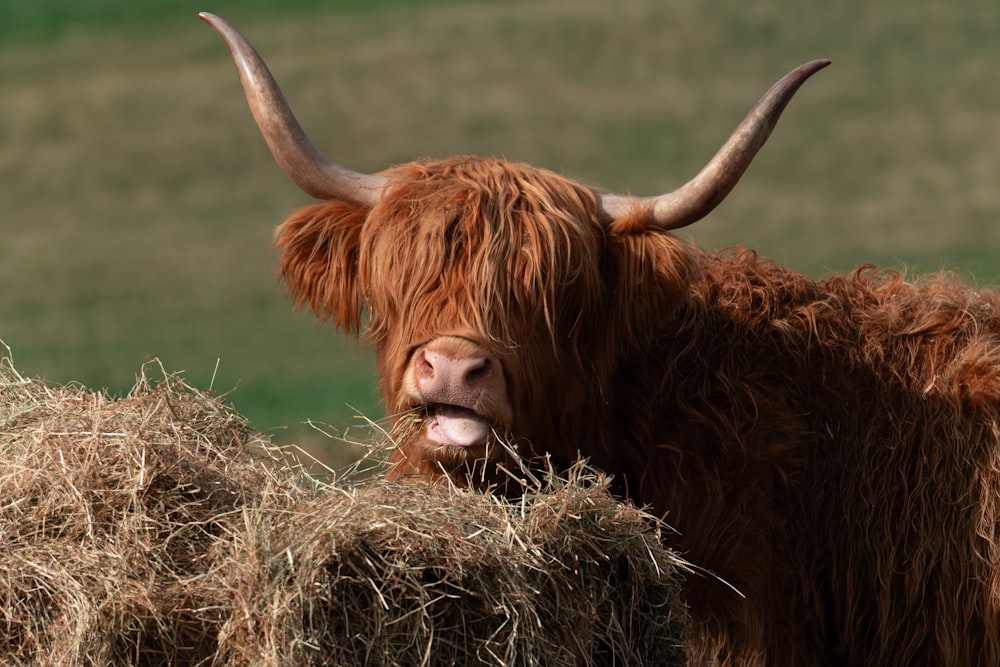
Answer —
830 449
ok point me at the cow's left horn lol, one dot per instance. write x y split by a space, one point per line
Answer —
291 148
695 199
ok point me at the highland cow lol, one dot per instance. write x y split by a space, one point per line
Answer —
829 450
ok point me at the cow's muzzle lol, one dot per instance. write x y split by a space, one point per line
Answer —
462 390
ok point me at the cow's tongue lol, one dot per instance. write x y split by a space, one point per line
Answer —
452 425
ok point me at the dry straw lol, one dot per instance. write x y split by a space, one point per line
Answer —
157 529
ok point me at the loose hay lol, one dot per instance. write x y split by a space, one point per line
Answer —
157 529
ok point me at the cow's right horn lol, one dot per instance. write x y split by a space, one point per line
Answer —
695 199
295 154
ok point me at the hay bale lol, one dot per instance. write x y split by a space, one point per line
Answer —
157 529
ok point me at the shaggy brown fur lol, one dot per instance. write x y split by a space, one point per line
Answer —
830 449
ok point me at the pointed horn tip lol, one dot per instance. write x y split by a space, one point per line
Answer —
813 66
218 23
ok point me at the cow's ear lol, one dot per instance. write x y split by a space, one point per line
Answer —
653 271
319 260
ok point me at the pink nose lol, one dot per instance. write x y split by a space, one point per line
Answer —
453 380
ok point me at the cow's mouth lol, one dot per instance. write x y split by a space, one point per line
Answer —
455 426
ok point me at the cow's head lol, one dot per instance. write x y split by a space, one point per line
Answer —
498 296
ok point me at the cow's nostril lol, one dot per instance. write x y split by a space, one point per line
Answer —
423 367
478 372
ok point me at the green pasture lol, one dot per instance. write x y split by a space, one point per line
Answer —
137 199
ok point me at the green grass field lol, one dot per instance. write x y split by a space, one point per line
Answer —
137 199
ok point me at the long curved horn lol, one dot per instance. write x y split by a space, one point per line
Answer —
695 199
291 148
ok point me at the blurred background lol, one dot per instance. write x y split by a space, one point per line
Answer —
137 199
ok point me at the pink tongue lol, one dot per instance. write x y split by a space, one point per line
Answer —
452 425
